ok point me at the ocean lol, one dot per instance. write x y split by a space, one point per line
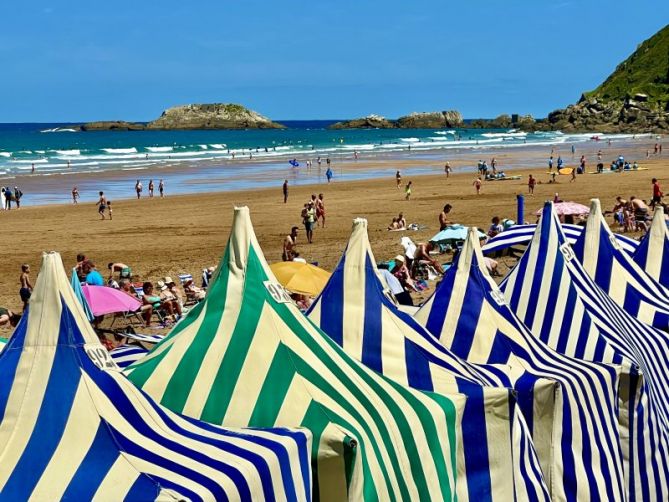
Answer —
244 158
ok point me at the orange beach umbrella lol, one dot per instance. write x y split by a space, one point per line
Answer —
301 278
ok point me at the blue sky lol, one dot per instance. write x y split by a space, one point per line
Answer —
295 59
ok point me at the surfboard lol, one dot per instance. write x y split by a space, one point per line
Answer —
2 201
566 170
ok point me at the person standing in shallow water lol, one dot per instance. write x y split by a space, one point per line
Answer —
161 188
285 191
138 189
150 188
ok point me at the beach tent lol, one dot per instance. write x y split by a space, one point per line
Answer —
553 295
125 355
245 355
73 427
356 312
615 272
469 315
653 251
521 235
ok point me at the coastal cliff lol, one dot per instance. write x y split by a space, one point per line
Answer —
634 98
196 116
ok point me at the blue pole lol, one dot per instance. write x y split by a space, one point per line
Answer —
520 215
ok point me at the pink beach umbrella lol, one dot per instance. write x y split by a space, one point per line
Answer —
568 208
104 300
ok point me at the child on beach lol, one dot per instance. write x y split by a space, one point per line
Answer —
531 183
477 185
110 209
407 190
26 286
447 169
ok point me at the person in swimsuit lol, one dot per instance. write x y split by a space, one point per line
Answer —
150 188
640 210
398 178
138 188
289 245
443 217
75 195
26 286
407 190
161 188
102 205
320 210
8 317
285 191
531 183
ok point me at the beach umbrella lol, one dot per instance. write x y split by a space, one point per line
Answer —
76 286
567 208
103 300
453 233
299 277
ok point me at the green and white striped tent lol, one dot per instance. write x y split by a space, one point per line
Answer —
247 356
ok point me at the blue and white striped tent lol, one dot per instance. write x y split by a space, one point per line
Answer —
73 427
618 275
550 291
469 315
520 235
357 313
125 355
652 254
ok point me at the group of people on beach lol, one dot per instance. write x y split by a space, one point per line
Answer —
7 196
139 188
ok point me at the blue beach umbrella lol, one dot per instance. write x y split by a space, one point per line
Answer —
453 233
79 293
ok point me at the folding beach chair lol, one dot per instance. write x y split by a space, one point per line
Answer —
158 312
190 299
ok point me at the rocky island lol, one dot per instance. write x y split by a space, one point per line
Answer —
196 116
416 120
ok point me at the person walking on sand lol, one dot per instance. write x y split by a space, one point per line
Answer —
573 176
447 169
150 188
75 195
398 179
477 185
161 188
550 163
407 190
285 191
320 210
26 286
657 193
531 183
102 205
138 189
109 208
309 220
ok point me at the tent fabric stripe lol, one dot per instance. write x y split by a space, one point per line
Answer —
652 254
615 272
391 342
520 235
469 315
613 336
373 439
74 426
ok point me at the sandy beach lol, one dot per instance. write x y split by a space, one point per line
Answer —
184 233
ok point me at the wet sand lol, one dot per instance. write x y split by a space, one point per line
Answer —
179 234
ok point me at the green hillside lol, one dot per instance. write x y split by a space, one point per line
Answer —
646 71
